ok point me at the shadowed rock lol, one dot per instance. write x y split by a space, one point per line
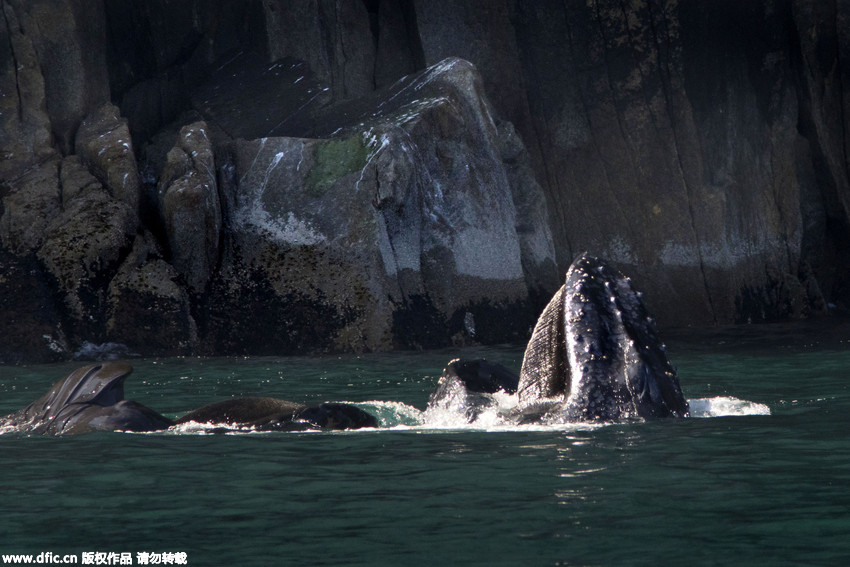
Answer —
147 308
284 94
29 203
83 246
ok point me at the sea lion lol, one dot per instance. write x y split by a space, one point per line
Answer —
468 385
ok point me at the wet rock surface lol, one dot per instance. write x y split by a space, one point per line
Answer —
403 212
105 146
189 206
279 177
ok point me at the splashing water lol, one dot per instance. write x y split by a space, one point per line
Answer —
725 406
493 416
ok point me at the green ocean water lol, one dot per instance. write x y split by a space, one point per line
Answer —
727 488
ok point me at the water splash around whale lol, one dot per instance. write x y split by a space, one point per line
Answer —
397 416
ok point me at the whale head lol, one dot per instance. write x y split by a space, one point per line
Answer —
100 384
89 399
595 353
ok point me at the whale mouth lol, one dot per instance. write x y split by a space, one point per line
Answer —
101 384
596 347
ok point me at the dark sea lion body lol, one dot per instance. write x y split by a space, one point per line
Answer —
469 384
272 414
256 412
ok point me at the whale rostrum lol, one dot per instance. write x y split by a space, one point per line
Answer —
594 356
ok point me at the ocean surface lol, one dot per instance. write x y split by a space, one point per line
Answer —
759 476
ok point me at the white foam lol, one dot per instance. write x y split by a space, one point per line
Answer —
393 414
195 428
722 406
454 415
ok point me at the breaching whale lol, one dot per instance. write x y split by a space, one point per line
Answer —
594 355
89 399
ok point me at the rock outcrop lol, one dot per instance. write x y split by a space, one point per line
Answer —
392 229
189 205
83 246
323 175
104 145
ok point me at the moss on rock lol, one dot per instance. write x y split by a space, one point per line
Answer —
336 158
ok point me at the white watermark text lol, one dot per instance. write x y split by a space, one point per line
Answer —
98 558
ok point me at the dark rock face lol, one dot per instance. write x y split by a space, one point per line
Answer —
333 37
30 201
283 94
83 246
57 50
28 313
25 124
682 141
325 175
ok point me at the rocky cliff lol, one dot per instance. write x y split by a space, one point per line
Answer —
276 176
